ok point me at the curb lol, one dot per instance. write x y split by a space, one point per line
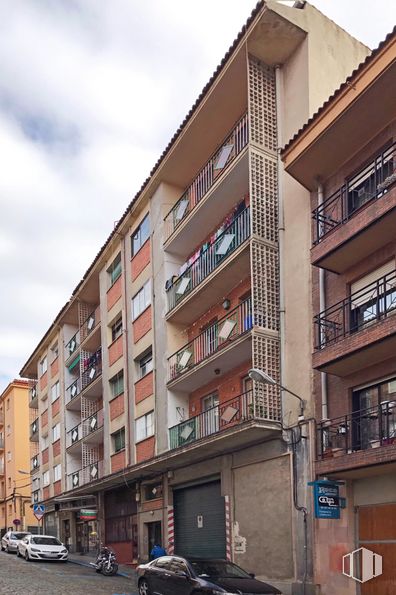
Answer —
89 566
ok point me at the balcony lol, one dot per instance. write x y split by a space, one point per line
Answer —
90 379
93 428
35 463
90 331
73 395
72 349
34 430
232 414
1 443
213 273
358 331
86 475
209 175
73 438
359 218
224 345
33 396
341 441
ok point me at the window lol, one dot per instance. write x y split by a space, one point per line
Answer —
35 483
141 300
55 432
43 366
9 482
146 364
54 351
117 384
46 478
153 491
55 391
44 442
116 329
141 235
114 270
118 440
144 426
57 472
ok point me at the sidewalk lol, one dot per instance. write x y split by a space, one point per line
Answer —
84 560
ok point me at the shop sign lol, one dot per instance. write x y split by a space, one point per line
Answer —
326 499
87 515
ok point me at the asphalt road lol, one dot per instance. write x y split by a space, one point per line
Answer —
18 577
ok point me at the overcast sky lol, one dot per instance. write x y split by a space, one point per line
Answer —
91 91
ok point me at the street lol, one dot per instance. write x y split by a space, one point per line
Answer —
18 577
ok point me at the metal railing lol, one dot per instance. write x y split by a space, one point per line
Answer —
232 146
367 306
72 345
225 244
218 418
36 496
234 324
73 390
359 430
74 435
33 392
93 423
370 183
90 323
35 463
85 475
92 371
34 429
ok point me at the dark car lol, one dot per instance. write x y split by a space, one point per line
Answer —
172 575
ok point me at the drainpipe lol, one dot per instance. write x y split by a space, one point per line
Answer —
126 345
322 307
281 227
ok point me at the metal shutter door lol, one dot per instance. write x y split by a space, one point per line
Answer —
205 500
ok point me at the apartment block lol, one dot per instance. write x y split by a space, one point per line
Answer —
346 157
15 460
158 428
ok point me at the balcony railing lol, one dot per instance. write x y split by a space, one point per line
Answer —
216 419
86 475
1 443
72 345
73 390
35 463
1 467
93 369
36 496
33 392
90 323
74 435
93 423
225 244
372 182
237 322
365 307
360 430
217 164
34 430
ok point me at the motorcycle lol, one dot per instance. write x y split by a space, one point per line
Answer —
106 562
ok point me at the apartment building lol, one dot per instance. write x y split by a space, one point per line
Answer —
15 511
144 402
346 157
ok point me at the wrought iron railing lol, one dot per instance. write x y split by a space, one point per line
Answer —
73 390
232 146
35 463
93 369
372 182
85 475
234 324
218 418
359 430
34 429
74 435
36 496
367 306
225 244
90 323
72 345
33 392
93 423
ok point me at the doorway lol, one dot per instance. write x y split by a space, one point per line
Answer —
154 532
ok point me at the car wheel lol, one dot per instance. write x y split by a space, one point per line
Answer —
27 557
144 588
7 549
18 553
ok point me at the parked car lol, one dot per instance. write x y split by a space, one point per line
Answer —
172 575
42 547
10 540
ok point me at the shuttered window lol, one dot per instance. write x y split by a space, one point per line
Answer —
365 287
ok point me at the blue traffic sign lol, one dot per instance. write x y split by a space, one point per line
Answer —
38 511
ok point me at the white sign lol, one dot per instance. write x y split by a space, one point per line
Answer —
200 521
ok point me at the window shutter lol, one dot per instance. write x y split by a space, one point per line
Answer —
368 284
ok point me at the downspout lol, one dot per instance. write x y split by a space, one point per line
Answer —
126 342
322 307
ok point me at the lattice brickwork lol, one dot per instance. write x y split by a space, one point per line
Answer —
89 455
265 286
88 407
84 310
262 104
264 196
266 357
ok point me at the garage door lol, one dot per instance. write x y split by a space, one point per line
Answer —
377 532
200 521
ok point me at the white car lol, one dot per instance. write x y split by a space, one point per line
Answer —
42 547
10 540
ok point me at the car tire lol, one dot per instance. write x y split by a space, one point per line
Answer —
143 587
27 557
18 553
7 550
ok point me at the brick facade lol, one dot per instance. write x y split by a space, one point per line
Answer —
55 407
46 493
43 381
118 461
57 488
54 367
117 406
45 456
142 325
145 449
114 293
140 260
44 418
115 350
56 448
144 387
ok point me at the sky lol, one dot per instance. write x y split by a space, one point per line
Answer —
91 91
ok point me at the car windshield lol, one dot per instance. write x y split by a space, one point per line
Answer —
218 569
45 541
18 535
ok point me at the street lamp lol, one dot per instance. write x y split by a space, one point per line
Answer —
263 378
